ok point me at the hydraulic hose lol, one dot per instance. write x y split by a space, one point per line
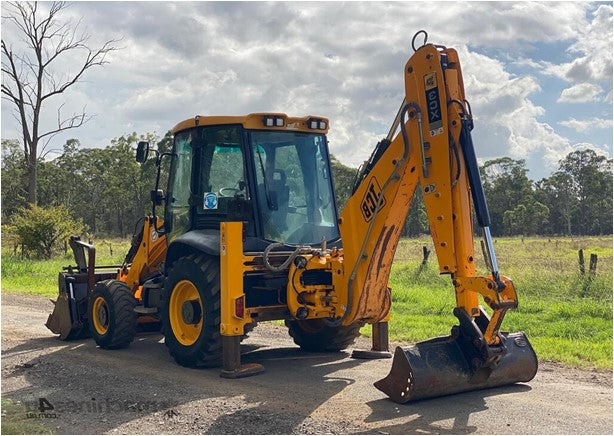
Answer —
301 249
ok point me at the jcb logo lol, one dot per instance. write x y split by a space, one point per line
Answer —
430 81
369 202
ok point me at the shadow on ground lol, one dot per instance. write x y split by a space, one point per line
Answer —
96 391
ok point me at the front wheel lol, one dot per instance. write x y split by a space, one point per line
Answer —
191 311
112 320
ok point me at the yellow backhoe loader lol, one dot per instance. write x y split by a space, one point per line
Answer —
251 232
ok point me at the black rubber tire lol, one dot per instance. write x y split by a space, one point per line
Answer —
120 303
204 273
316 335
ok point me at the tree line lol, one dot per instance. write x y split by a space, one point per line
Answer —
576 199
105 192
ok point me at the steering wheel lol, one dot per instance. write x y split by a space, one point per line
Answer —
228 188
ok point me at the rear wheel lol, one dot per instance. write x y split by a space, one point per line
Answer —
191 311
316 335
112 320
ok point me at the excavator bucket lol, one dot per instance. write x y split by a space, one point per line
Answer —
441 366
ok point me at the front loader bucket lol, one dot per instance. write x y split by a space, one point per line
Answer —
68 318
60 320
439 367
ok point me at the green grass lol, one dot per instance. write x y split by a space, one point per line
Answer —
16 421
39 277
568 317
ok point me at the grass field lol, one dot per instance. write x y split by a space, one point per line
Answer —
39 277
567 316
16 421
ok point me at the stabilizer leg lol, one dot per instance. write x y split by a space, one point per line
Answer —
379 343
231 360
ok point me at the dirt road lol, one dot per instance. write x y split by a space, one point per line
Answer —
141 390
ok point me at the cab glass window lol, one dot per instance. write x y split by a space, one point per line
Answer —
295 194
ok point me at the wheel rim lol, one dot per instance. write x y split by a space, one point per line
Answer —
100 315
184 295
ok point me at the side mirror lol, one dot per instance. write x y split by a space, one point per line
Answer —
157 196
142 151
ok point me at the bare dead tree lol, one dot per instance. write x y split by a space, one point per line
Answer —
29 79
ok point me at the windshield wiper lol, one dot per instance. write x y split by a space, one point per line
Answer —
264 182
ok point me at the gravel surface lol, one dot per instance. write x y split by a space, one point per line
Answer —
142 390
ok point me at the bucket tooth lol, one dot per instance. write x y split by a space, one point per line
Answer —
439 367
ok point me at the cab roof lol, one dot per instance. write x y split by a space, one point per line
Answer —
257 121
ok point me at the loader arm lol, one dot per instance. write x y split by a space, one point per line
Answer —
432 150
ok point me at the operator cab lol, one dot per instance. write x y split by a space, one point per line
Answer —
268 170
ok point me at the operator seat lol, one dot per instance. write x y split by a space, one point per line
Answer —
282 194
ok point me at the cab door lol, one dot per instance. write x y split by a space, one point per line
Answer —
180 185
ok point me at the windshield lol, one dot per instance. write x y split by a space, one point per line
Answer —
294 190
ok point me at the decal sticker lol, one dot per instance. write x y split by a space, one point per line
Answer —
369 201
153 235
432 101
210 201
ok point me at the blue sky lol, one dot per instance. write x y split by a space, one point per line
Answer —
557 113
538 75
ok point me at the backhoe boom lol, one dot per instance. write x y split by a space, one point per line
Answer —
433 150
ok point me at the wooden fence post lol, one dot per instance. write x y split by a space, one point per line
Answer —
581 260
592 268
425 254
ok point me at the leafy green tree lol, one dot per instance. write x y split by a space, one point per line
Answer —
344 176
39 230
555 192
343 179
417 222
108 191
526 219
591 184
105 187
506 185
13 174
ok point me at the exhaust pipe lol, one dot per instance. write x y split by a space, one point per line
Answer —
439 367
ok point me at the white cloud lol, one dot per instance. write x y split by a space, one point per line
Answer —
595 46
331 59
587 124
581 93
592 51
506 118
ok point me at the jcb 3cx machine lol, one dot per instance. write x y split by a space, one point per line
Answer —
250 232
